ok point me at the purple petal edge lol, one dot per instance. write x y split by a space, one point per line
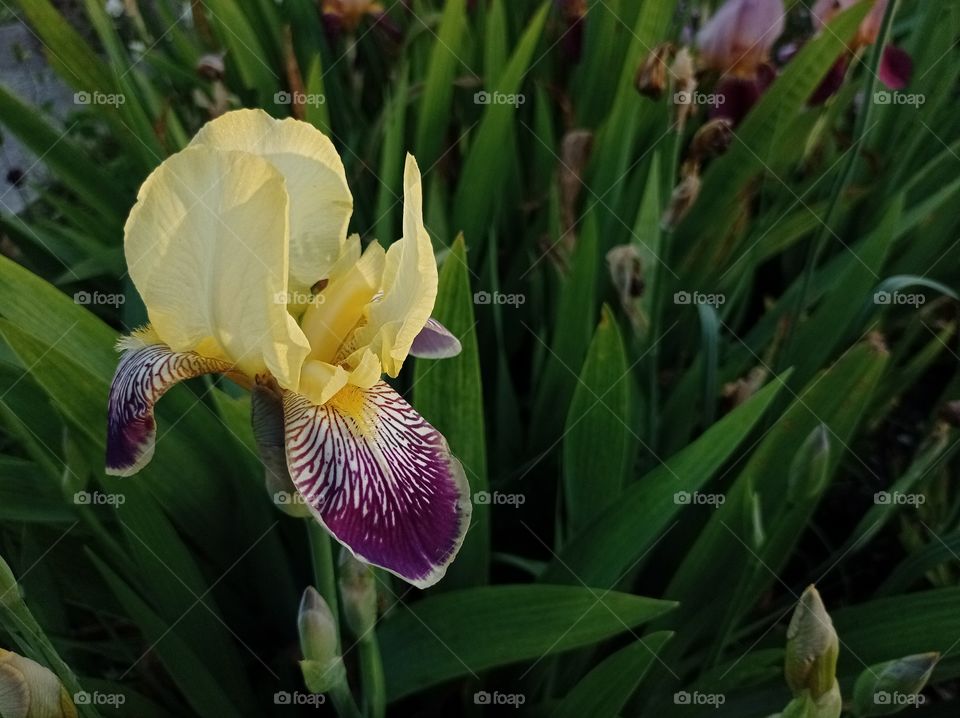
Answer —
145 373
435 341
381 481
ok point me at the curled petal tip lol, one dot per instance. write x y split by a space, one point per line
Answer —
435 341
145 373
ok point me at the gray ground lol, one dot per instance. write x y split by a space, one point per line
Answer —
24 71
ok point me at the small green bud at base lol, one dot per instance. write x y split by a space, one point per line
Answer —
9 590
317 628
890 687
812 647
358 592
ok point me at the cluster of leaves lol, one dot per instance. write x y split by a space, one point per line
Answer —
619 439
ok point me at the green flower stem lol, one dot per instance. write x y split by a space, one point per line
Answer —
324 577
374 684
321 556
343 701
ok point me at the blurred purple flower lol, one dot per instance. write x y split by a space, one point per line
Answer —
896 65
737 40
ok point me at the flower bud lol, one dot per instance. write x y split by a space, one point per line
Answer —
739 37
211 66
812 647
347 14
809 470
682 199
950 413
890 687
829 705
317 627
626 273
29 690
358 592
684 72
651 79
712 139
9 589
321 665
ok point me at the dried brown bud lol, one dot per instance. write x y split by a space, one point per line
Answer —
950 413
211 66
574 155
712 139
651 78
682 199
684 72
626 272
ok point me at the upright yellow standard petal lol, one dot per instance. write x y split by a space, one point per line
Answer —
206 247
330 320
409 283
320 200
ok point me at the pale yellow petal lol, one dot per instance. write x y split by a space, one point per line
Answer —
409 283
330 319
320 381
320 200
206 247
366 369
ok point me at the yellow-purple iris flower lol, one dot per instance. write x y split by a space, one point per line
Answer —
238 246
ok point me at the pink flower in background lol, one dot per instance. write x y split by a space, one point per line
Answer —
896 65
737 42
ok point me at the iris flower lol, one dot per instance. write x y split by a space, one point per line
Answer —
896 65
736 42
238 246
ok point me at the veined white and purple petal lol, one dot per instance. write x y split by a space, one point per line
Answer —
381 480
435 341
145 373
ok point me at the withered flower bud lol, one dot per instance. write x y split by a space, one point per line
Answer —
683 197
651 79
712 139
684 72
211 66
626 272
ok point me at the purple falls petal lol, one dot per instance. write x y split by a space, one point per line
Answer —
145 373
896 68
380 479
435 341
737 95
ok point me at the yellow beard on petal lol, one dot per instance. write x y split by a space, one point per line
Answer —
351 401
